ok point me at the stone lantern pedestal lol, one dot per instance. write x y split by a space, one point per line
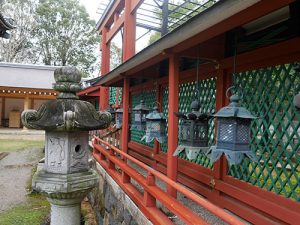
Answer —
66 178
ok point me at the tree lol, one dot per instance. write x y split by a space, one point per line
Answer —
19 47
65 35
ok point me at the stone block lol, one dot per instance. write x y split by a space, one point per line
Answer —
66 152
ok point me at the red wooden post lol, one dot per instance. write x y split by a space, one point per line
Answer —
172 121
129 31
111 164
105 60
125 125
149 200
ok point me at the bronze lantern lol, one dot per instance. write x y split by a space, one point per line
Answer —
140 112
193 131
155 127
233 133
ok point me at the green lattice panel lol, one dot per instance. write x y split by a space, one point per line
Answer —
269 93
165 110
207 99
120 95
112 95
149 98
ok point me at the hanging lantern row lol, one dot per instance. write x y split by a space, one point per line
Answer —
193 131
233 129
154 123
233 133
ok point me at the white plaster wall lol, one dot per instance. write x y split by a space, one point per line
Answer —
13 104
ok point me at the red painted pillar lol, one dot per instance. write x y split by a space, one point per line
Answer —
129 32
173 121
125 122
105 60
128 51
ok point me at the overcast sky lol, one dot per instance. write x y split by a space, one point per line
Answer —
91 7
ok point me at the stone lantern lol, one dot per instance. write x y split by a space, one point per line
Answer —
233 133
66 177
155 127
193 132
140 112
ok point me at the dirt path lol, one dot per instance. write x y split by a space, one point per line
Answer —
15 172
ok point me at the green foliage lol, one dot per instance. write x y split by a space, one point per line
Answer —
65 35
18 145
33 212
19 47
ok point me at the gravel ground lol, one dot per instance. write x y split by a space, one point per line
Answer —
15 172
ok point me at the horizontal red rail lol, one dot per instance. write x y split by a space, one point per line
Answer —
155 192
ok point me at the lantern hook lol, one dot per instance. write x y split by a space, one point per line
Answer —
238 92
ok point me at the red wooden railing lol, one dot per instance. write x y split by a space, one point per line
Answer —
109 157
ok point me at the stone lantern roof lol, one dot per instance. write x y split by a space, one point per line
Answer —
66 113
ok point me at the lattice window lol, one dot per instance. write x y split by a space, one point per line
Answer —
269 93
149 98
113 95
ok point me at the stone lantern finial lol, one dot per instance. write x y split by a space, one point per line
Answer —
66 177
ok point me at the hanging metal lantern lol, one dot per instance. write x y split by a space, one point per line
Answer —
140 112
112 112
155 127
193 131
119 117
233 133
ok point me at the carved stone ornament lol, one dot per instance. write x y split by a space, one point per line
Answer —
66 113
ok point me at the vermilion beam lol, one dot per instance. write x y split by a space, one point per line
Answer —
135 4
172 121
129 32
116 27
105 60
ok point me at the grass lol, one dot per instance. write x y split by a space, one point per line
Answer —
19 145
31 213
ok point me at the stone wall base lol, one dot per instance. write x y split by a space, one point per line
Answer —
111 204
